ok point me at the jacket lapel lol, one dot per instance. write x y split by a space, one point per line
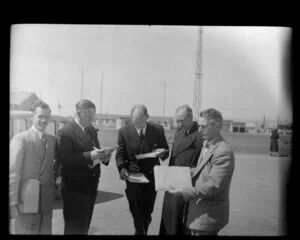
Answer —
184 141
36 144
205 158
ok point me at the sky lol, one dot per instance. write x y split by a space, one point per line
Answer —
243 67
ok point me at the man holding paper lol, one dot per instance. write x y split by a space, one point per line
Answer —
141 144
31 179
80 156
208 199
185 152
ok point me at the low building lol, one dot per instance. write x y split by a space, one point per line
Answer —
116 121
22 100
239 127
251 127
227 125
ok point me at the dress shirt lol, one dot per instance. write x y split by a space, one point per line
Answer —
144 130
82 127
39 133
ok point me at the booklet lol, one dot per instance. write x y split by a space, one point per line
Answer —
137 178
153 154
173 177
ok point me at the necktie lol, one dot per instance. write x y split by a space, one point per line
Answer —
44 140
142 134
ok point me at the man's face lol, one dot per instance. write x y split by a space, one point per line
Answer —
139 119
86 116
41 118
208 128
183 120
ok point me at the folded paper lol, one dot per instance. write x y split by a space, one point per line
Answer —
29 196
137 178
153 154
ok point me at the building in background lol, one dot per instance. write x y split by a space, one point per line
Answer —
22 100
239 127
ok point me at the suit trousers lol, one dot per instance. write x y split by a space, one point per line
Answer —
172 215
34 223
141 198
77 211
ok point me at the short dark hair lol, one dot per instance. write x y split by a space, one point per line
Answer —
212 114
140 107
84 104
187 108
39 103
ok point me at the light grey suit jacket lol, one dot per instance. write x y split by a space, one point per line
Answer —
29 160
208 200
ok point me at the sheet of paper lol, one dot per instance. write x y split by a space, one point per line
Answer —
29 196
153 154
137 178
172 177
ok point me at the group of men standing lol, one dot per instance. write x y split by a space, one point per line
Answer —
200 210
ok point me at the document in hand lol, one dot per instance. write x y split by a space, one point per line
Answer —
172 177
29 196
137 178
153 154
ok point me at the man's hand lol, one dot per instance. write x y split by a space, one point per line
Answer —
13 211
123 174
133 167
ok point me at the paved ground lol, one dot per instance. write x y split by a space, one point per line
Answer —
255 201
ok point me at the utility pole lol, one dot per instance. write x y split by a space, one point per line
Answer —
101 95
197 98
82 81
164 100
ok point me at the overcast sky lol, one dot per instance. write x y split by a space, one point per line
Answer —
242 66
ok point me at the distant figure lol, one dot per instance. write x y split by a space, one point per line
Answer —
32 154
139 137
274 142
185 152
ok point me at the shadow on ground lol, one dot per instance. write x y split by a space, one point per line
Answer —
102 196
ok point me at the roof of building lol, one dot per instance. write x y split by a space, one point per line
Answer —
19 97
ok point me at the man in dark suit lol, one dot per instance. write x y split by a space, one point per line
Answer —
139 137
184 153
78 148
208 199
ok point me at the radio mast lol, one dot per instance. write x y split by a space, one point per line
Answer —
197 100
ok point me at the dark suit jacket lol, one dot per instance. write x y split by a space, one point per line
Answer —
185 150
74 148
130 145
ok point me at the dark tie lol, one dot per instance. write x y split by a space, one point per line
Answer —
142 136
44 140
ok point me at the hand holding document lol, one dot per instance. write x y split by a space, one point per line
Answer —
104 154
174 177
153 154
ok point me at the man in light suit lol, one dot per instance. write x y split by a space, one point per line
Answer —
32 155
184 153
207 209
138 137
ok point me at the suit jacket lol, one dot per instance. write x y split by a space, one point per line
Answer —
29 160
74 147
208 200
130 145
185 149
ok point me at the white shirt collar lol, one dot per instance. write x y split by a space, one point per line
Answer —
82 127
39 133
144 130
